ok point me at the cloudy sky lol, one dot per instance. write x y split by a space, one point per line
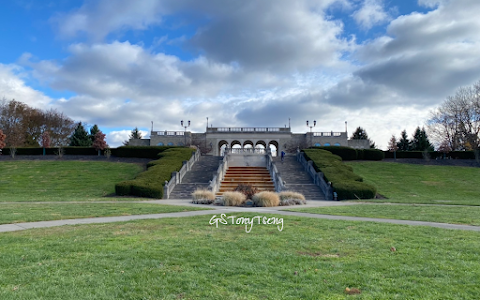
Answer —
379 64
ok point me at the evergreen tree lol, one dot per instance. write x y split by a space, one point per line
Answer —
80 137
420 141
135 134
360 134
404 143
93 131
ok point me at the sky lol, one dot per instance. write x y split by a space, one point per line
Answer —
383 65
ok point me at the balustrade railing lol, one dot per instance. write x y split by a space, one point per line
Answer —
318 178
248 129
245 151
328 134
169 133
177 177
217 178
275 174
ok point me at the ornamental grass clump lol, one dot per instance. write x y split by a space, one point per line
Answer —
234 199
291 198
266 199
202 196
247 189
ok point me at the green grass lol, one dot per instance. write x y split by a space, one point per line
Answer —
61 180
29 212
186 258
410 183
466 215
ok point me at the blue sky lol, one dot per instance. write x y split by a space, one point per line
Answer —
379 64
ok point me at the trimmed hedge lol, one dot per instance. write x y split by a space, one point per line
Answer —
141 151
370 154
30 151
432 154
150 183
347 184
346 153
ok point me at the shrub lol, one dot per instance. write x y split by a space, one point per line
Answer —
150 183
346 183
80 151
233 199
354 190
247 189
266 199
286 195
371 154
202 196
123 188
346 153
141 151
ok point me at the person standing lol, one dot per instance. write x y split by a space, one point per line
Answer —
282 155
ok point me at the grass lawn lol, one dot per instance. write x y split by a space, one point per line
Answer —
186 258
410 183
443 214
29 212
61 180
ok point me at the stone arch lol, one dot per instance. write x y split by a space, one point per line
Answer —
160 144
248 144
260 146
170 144
317 145
273 145
337 144
235 144
222 145
327 145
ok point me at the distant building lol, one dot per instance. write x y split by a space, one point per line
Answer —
216 139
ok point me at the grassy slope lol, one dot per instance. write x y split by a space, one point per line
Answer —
189 259
61 180
443 214
422 184
29 212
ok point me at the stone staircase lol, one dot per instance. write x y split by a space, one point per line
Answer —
258 177
199 177
297 179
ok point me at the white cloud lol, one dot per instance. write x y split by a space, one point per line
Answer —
13 86
116 138
99 18
370 14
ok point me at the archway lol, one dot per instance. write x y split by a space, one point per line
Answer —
248 146
222 145
260 146
273 145
236 146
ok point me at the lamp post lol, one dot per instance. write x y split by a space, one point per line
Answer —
187 124
314 124
311 134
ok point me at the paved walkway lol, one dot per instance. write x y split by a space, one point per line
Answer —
217 210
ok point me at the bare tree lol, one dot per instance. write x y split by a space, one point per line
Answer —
202 145
11 121
456 123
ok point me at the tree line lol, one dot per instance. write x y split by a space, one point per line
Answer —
24 126
419 141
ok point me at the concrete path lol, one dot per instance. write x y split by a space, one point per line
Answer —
217 210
